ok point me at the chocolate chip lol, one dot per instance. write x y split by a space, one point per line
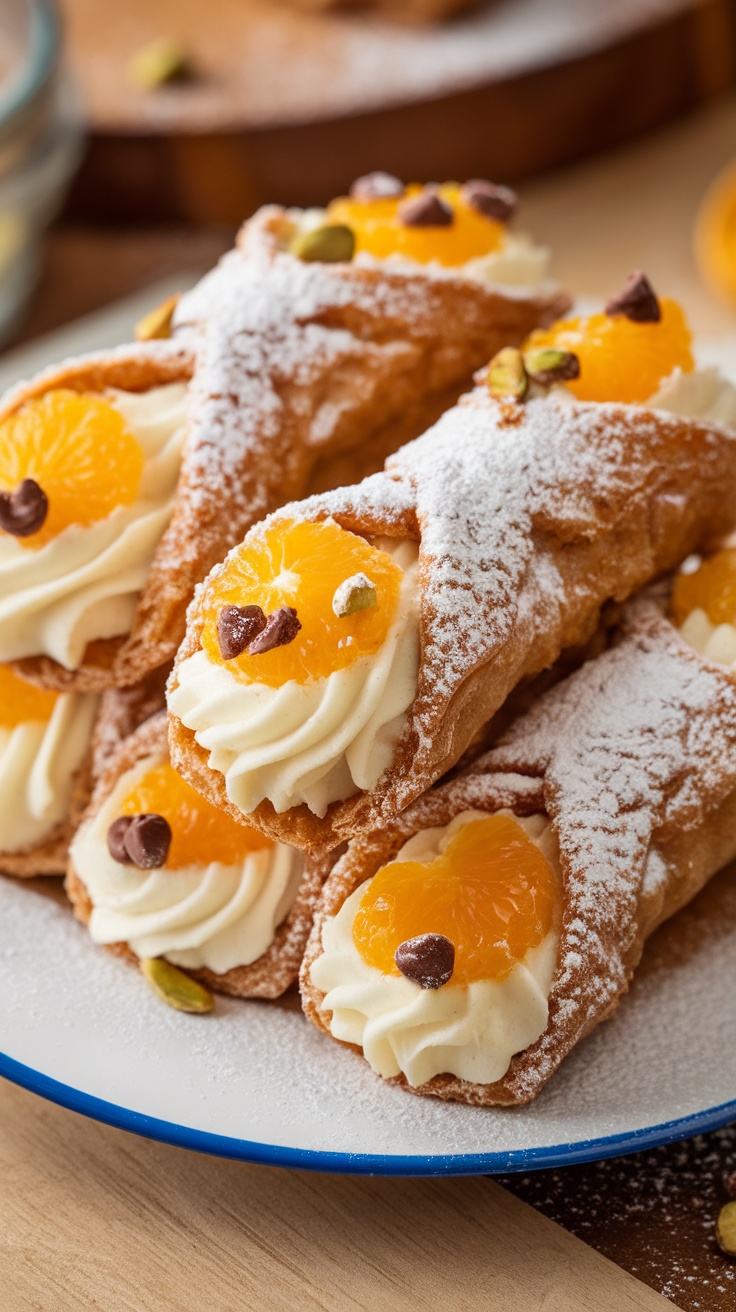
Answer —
116 839
376 186
487 198
236 627
427 210
24 511
147 840
282 627
428 960
638 300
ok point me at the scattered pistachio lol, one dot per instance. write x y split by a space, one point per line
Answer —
356 593
174 987
332 243
160 62
726 1229
551 365
507 375
157 323
23 512
637 301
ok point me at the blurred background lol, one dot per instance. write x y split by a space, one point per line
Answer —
135 136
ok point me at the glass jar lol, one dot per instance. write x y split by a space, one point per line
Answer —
40 144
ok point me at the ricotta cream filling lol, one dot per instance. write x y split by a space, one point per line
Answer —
703 394
38 763
315 743
212 916
85 583
470 1031
517 263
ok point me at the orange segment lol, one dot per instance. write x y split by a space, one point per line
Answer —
301 565
200 833
379 231
78 449
491 892
621 360
711 587
21 701
715 235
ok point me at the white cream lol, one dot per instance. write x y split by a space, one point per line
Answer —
318 742
470 1031
214 916
517 263
38 763
703 394
716 641
85 583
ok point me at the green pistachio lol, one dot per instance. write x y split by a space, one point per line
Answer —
174 987
551 365
726 1229
158 63
507 376
157 323
356 593
333 243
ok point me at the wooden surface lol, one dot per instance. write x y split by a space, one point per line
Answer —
291 106
95 1218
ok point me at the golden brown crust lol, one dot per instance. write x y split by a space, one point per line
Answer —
633 759
277 969
589 503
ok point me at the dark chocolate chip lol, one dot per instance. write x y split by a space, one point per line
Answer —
487 198
638 300
282 627
23 512
427 210
116 839
147 840
236 627
376 186
428 960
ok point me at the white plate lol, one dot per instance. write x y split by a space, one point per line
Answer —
255 1081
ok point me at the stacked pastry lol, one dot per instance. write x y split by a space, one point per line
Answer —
308 353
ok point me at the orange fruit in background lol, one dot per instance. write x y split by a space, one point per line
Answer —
711 587
79 451
621 360
301 565
21 702
379 231
200 833
715 235
492 892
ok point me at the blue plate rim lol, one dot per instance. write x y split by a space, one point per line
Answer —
310 1159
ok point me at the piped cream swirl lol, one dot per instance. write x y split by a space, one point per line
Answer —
215 916
318 742
38 764
470 1031
85 583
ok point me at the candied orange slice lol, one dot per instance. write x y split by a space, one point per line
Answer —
21 702
492 892
78 449
199 832
711 587
621 360
715 235
379 231
301 565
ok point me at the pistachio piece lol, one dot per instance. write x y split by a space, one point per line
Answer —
356 593
157 323
175 988
160 62
332 243
507 375
726 1229
551 365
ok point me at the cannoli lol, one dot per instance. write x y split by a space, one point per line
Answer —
342 659
470 945
155 871
301 354
45 773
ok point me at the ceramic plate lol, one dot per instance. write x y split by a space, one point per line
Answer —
255 1081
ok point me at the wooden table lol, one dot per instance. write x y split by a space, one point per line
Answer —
94 1218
